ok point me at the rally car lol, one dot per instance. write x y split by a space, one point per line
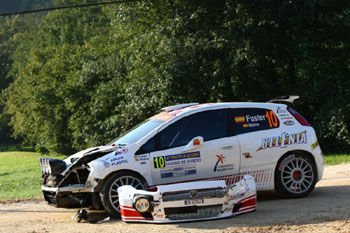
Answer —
193 142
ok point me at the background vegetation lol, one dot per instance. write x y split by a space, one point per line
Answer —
20 176
79 77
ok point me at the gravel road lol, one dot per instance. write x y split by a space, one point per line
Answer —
326 209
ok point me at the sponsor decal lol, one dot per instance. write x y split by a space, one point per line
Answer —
287 118
247 155
289 123
284 115
121 151
177 165
186 170
106 164
284 162
220 166
240 119
118 160
196 142
314 145
283 141
144 157
220 159
279 110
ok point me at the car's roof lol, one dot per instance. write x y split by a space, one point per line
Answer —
209 106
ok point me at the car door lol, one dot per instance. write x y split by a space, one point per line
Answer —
198 146
257 129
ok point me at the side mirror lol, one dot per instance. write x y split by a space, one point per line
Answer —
195 143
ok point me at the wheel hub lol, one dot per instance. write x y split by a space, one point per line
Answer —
297 175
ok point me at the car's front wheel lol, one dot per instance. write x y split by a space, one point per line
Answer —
295 175
109 193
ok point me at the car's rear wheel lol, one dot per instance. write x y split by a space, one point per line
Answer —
295 175
109 193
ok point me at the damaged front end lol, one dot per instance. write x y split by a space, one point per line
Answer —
67 183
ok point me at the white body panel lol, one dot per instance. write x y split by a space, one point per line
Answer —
232 200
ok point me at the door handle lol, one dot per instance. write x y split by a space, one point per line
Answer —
228 147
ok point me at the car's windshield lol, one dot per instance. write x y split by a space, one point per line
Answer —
137 132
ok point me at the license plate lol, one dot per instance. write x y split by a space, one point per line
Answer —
194 201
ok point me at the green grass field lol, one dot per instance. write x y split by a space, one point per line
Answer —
336 159
20 175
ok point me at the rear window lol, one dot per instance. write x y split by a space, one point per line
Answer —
246 120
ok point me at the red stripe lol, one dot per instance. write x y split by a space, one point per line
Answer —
244 199
137 219
249 202
129 213
252 208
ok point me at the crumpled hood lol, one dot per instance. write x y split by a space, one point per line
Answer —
93 150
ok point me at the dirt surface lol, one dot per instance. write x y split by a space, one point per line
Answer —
326 209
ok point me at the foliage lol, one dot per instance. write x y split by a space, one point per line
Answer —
83 76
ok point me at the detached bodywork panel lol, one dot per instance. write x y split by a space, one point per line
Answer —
190 201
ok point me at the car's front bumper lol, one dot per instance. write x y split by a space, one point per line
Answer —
66 197
190 201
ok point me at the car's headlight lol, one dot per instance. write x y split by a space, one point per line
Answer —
143 203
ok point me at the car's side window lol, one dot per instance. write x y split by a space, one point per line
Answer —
148 147
246 120
209 124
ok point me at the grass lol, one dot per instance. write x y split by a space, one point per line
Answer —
20 175
334 159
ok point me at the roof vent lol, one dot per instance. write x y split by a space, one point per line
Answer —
176 107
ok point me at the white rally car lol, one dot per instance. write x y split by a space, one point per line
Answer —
193 142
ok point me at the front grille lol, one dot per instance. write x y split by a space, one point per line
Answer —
194 194
192 212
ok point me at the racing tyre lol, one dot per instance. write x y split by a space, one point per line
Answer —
295 175
109 193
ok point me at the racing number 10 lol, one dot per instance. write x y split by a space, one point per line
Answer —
271 117
159 162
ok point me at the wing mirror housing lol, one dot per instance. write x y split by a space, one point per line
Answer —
195 143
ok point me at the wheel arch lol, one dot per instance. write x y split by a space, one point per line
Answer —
306 153
105 179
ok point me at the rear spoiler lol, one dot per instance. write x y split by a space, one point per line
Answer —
289 100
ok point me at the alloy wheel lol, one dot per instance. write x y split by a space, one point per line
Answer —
297 175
